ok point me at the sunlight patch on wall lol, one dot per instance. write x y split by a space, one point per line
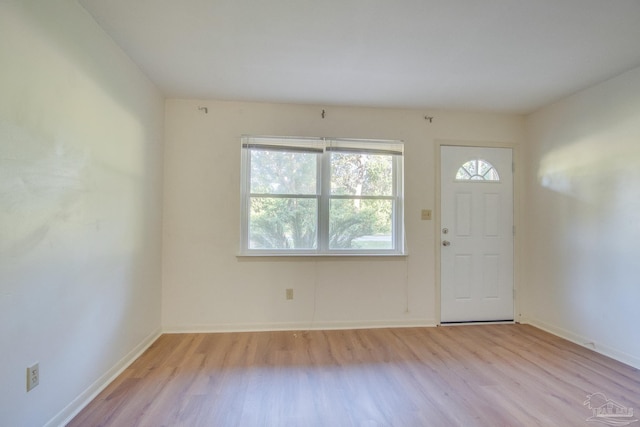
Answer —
592 168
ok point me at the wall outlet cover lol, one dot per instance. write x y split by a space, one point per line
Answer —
33 376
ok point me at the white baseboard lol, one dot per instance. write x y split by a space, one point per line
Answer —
73 408
586 342
499 322
300 326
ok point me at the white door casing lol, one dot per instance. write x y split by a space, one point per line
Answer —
476 235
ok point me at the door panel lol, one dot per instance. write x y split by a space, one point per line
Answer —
491 214
463 214
477 234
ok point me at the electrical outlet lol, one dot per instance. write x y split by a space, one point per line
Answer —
289 293
33 376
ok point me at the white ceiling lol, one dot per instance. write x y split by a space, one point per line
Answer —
489 55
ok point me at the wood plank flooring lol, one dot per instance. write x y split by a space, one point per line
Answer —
486 375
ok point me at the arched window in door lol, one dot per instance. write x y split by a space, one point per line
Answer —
477 170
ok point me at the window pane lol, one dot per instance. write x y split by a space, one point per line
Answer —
492 175
358 174
282 223
463 174
282 172
360 224
483 167
471 167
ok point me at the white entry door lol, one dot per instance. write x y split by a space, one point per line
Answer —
476 235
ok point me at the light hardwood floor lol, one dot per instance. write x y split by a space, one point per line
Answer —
486 375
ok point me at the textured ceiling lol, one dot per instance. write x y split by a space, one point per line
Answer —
489 55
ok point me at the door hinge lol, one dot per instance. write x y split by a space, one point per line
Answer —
514 230
513 167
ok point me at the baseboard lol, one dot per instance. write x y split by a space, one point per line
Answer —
73 408
299 326
586 342
479 323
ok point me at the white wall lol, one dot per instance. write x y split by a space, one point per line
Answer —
81 134
583 217
206 287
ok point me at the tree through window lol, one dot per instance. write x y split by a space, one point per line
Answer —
317 196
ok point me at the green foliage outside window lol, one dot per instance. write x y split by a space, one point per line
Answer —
285 193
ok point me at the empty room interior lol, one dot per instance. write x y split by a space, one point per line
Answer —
340 213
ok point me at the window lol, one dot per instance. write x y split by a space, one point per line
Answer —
303 196
477 170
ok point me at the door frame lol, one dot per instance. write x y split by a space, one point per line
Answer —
517 238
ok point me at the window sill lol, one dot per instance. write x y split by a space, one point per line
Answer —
323 256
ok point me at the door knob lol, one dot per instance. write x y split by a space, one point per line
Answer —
446 243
